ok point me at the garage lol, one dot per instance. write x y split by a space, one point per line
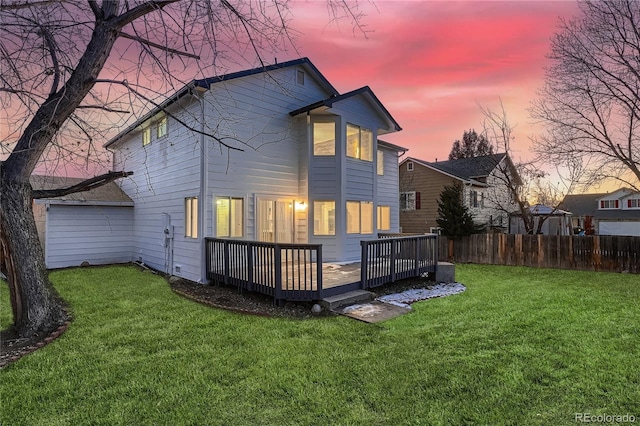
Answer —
93 227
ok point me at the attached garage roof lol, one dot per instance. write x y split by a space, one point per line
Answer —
109 194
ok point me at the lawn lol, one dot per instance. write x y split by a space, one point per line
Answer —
520 346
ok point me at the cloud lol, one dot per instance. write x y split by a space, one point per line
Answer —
432 62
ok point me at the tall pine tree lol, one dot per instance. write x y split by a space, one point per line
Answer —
454 218
472 145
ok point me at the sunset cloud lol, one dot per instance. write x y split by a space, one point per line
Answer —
432 63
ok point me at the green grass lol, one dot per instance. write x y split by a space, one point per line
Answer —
520 346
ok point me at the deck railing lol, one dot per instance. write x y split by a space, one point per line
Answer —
283 271
393 258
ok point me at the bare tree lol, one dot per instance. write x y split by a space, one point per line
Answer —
73 73
590 103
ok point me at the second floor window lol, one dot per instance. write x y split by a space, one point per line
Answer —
609 204
476 199
146 136
408 200
380 163
359 143
161 127
324 138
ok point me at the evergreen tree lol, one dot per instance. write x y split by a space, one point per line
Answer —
454 218
472 145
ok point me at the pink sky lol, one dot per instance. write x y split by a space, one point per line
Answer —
431 63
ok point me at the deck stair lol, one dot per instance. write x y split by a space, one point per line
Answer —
344 299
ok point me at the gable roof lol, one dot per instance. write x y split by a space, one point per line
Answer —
388 145
205 83
468 169
581 204
363 91
108 194
587 205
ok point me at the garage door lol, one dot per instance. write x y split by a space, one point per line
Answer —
620 228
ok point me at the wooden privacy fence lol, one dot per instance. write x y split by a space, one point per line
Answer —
283 271
588 253
393 258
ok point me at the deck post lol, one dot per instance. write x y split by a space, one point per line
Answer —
416 242
278 271
249 265
364 265
319 270
225 249
394 244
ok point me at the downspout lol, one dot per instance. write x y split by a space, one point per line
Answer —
309 158
204 190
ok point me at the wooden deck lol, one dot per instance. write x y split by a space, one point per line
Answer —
296 271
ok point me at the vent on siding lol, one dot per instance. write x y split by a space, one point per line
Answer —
177 268
300 77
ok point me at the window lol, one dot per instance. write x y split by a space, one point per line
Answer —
229 217
609 204
359 217
324 218
161 127
409 200
633 203
146 136
366 217
384 218
359 143
380 162
191 217
324 138
300 77
435 230
476 199
410 166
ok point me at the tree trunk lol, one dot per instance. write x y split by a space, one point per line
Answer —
36 306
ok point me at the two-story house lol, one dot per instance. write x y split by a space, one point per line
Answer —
485 192
271 154
615 213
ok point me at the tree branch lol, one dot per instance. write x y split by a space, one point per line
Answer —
86 185
158 46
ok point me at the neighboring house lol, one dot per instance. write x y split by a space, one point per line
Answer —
312 167
554 221
94 226
615 213
485 192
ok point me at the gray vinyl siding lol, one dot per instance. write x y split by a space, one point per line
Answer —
252 113
96 234
387 192
165 173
